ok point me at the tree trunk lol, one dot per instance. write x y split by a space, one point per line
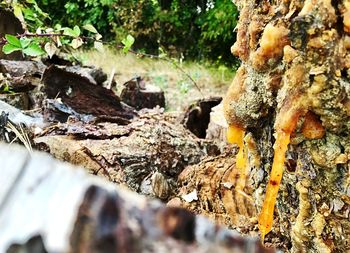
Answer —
287 109
293 91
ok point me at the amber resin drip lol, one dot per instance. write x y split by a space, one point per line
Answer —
235 135
266 215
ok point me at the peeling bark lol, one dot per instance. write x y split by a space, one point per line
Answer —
81 95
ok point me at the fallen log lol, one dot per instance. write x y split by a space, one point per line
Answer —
132 154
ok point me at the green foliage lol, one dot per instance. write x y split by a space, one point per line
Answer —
44 40
217 26
197 29
28 46
128 42
100 14
75 32
5 88
27 11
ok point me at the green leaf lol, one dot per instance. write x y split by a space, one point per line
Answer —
70 32
13 40
8 48
90 28
58 27
128 42
33 50
24 42
76 29
17 11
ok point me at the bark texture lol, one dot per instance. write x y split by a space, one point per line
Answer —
206 188
147 155
294 79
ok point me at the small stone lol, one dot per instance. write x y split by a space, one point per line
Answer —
190 197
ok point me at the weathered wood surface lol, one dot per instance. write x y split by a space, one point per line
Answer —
84 97
22 68
16 116
147 155
50 206
26 80
208 188
23 80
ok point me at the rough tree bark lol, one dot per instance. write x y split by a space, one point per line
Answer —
288 108
294 83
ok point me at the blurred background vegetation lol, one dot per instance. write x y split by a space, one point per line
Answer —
199 30
188 41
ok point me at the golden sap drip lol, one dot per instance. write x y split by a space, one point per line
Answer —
235 135
266 215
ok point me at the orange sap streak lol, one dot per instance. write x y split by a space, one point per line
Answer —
235 135
266 216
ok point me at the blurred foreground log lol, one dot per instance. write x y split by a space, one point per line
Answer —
49 206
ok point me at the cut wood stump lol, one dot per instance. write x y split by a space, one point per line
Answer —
138 94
